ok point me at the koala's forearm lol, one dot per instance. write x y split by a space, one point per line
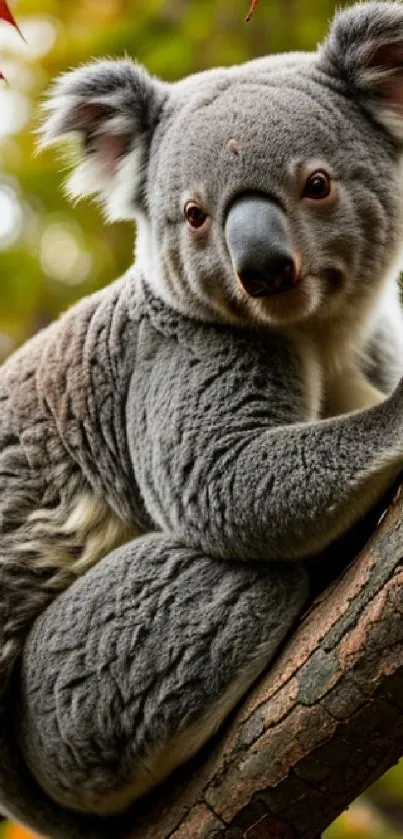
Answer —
296 489
288 492
232 466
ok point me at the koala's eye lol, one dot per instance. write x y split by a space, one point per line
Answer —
194 214
318 186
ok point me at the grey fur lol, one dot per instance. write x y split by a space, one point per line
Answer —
171 402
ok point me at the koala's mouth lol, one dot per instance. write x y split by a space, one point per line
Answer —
258 284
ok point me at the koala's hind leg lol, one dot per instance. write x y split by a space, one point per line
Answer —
134 667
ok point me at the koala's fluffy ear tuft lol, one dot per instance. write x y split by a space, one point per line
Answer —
365 46
112 107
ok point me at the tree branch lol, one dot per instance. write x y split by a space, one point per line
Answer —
325 722
252 8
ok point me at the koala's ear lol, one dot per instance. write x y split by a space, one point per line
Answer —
365 46
112 107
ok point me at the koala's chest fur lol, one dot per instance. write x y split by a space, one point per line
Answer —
334 381
74 536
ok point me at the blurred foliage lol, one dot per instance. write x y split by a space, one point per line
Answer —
52 253
378 814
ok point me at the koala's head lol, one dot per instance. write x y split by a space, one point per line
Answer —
269 192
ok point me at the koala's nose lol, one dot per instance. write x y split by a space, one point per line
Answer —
258 243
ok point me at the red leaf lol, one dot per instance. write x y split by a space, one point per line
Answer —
251 10
8 17
5 14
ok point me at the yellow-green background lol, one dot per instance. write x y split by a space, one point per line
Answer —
51 253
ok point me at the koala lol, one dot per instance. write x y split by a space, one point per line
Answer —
175 447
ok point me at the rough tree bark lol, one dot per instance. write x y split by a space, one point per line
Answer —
318 729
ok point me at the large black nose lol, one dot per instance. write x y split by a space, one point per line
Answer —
258 243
